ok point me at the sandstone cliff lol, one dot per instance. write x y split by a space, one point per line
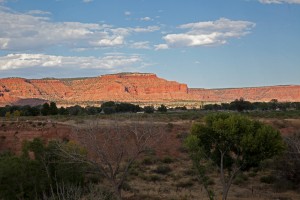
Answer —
288 93
129 87
125 87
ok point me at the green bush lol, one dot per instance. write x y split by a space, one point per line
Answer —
22 177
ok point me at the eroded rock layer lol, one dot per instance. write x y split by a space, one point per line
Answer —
128 87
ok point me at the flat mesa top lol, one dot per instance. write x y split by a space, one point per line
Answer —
130 74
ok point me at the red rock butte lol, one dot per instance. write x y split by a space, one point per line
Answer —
139 88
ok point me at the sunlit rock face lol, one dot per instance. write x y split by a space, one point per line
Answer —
288 93
129 87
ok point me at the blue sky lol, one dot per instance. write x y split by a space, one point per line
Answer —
204 43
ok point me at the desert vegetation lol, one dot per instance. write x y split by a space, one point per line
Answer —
244 105
189 154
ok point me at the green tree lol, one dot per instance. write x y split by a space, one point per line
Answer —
7 115
63 111
162 108
53 110
45 109
273 104
39 171
17 114
108 104
233 143
21 178
240 105
149 109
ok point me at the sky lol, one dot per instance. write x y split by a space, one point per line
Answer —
203 43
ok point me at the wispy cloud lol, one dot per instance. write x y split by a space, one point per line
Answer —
87 1
141 45
161 46
279 1
108 62
207 33
146 19
34 30
127 13
38 12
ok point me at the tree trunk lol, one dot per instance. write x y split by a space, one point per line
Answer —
117 192
225 191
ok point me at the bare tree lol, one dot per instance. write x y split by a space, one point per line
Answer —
113 147
289 163
293 144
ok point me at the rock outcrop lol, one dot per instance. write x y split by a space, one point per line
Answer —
128 87
287 93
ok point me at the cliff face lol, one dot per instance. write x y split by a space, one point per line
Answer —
128 87
289 93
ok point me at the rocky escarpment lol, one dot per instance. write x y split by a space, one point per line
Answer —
130 87
126 87
287 93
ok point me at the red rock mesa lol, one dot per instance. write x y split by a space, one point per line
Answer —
141 88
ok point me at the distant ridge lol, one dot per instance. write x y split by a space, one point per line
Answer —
134 87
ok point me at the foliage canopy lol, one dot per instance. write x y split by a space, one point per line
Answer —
233 143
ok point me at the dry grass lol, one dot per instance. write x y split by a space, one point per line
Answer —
180 182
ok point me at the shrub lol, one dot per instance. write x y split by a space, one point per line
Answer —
149 161
109 110
167 160
240 179
149 109
170 126
268 179
162 169
185 184
152 178
126 187
162 108
189 172
284 185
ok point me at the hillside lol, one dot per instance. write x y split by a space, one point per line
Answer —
129 87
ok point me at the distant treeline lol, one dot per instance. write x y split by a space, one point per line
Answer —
51 108
111 107
241 105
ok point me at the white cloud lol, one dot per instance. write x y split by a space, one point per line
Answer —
279 1
147 29
38 12
109 42
141 45
161 46
146 19
207 33
26 31
87 1
127 13
108 62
